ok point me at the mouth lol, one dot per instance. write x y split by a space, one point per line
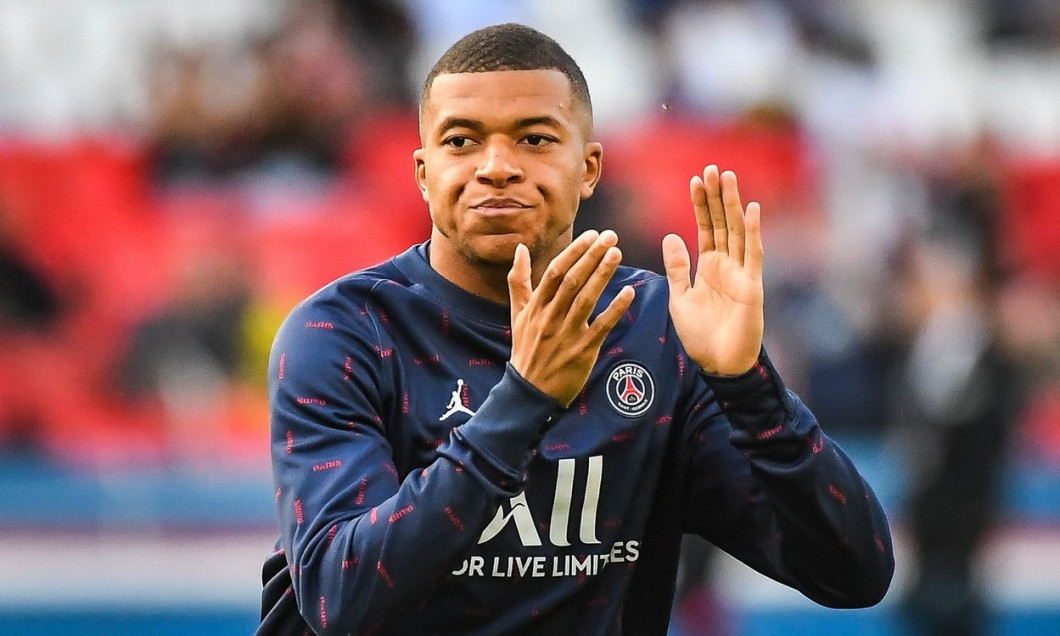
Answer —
499 206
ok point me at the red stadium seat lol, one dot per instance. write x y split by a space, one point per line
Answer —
1031 215
295 255
378 164
654 161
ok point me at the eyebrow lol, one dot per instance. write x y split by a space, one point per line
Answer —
476 125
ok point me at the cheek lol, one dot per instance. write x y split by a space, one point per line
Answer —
444 189
445 182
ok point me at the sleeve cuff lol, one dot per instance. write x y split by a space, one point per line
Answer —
507 427
756 392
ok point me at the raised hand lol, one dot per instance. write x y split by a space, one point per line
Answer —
554 346
718 315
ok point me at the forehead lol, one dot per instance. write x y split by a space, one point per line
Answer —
495 96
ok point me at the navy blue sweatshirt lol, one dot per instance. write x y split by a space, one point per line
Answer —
424 487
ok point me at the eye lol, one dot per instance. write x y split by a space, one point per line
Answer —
538 140
457 142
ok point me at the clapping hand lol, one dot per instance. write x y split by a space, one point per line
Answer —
718 313
555 342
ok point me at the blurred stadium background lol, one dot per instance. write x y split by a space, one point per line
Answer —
176 174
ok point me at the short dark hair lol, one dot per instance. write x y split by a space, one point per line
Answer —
508 47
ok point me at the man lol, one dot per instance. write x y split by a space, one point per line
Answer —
502 431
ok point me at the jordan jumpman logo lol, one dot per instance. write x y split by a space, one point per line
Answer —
456 404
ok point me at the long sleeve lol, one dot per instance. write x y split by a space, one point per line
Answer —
364 542
769 487
423 486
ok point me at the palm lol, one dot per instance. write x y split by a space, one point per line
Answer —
718 314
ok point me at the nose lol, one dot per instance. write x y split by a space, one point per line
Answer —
499 165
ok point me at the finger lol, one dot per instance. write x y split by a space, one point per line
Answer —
677 264
609 317
558 267
704 227
588 296
519 287
753 252
734 221
712 184
575 278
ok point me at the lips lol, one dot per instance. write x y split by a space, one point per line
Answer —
499 205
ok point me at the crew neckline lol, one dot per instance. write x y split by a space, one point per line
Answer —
416 265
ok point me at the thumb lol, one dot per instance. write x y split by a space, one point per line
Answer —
519 288
677 264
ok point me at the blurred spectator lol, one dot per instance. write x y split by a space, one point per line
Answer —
189 360
29 302
1030 310
1026 23
833 28
959 406
957 393
614 206
31 307
200 329
384 34
278 108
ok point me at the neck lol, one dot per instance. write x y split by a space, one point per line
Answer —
488 280
485 279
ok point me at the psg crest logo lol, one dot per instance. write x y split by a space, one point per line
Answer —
630 389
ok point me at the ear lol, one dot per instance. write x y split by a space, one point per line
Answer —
421 172
594 155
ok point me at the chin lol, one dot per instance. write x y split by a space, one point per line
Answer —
495 250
